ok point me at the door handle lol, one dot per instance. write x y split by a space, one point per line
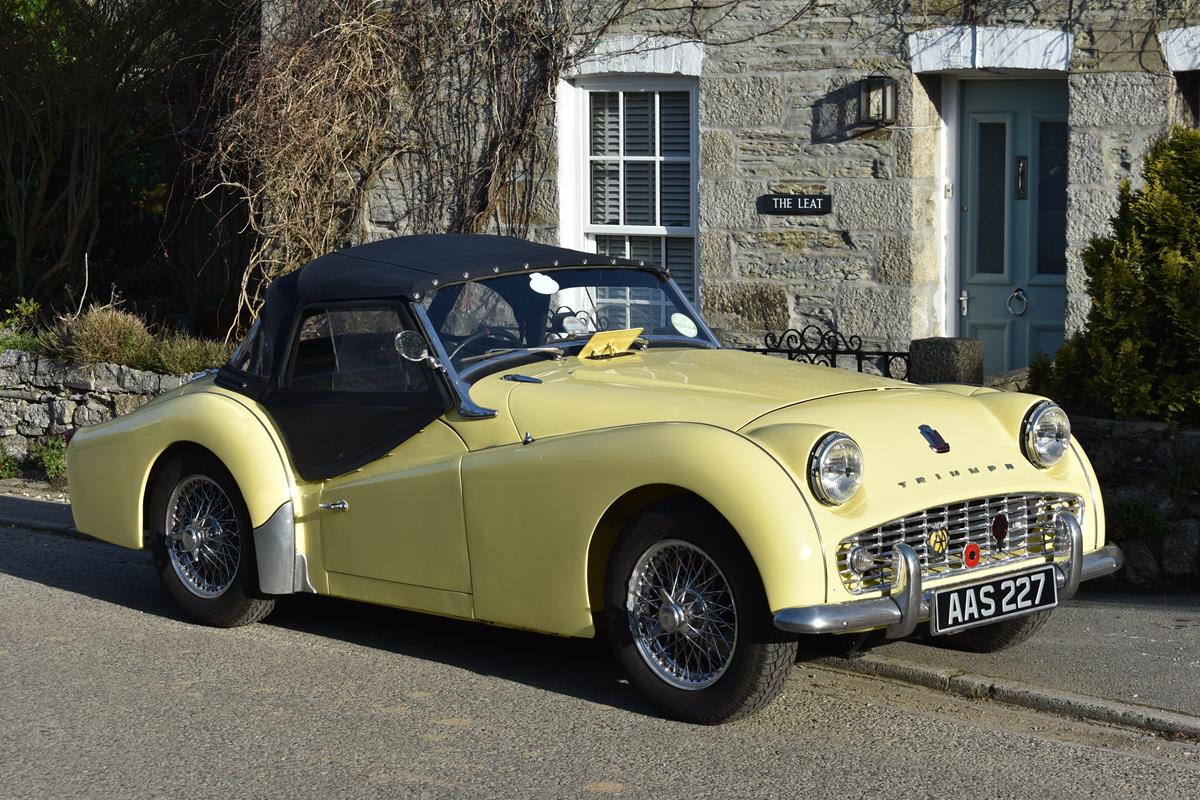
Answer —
336 505
1022 177
964 300
1018 296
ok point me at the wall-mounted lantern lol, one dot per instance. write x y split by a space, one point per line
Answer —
877 101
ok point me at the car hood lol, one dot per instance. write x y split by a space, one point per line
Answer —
727 388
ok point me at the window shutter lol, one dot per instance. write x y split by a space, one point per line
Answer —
675 193
675 135
605 194
605 119
639 193
681 261
639 123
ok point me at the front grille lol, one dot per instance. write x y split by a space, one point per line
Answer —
1030 536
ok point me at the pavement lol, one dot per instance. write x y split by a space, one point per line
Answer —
105 691
1120 658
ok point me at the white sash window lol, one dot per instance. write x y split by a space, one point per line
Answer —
636 161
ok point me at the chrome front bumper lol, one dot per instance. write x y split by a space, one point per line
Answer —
908 604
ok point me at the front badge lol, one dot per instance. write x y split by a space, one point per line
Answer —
936 443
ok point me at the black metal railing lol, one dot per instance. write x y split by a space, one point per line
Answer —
816 345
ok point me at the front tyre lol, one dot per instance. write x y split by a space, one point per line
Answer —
688 619
997 636
203 544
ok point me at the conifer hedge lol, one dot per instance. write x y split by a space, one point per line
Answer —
1139 357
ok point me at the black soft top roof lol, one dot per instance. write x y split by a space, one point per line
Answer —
409 266
404 267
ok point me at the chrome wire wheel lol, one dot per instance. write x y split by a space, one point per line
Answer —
682 614
203 536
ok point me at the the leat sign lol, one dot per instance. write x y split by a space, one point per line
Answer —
795 204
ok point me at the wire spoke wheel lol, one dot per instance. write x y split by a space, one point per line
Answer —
204 538
682 614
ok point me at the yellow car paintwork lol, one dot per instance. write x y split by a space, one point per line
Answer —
528 544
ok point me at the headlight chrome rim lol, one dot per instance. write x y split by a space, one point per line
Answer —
1043 451
818 468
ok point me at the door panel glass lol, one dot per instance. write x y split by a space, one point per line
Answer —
354 350
1052 198
991 202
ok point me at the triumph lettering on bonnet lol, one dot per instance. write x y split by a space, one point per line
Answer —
954 473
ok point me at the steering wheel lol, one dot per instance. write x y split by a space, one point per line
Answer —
500 334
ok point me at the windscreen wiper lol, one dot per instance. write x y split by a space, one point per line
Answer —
556 352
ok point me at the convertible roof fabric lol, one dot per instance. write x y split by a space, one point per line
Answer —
408 266
405 267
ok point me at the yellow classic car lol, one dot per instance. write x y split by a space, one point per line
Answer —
485 428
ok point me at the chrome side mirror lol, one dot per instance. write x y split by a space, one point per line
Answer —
411 346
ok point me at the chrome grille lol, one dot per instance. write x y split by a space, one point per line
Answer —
1030 536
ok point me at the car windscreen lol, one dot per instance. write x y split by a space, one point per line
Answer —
555 308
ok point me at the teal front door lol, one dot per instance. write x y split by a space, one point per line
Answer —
1012 203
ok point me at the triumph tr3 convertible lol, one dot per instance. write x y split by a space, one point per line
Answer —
484 428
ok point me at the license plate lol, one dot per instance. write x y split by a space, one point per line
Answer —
963 607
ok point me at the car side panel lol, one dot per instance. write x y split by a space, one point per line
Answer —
108 465
531 511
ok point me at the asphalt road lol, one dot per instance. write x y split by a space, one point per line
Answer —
1137 649
105 692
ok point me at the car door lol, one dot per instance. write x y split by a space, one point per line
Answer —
366 422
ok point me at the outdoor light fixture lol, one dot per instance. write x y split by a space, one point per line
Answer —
877 101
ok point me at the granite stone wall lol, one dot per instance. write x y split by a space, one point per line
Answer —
1149 475
40 397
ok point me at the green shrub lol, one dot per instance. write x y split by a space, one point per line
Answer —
178 353
9 468
1140 354
102 333
18 329
51 455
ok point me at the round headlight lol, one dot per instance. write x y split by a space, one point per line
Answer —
1046 434
835 469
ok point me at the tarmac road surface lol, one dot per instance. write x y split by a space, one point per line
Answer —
106 692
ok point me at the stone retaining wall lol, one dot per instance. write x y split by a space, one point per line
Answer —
40 397
1150 477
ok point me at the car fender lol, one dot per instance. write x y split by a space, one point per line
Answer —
109 467
532 511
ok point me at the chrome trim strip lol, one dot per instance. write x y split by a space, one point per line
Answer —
275 551
466 406
854 616
300 582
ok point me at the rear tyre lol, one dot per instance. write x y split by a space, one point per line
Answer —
688 619
203 544
997 636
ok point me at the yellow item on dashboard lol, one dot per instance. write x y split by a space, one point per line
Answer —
605 344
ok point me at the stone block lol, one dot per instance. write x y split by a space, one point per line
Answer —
880 313
729 204
946 360
874 205
1110 99
1181 549
90 413
740 102
716 153
716 259
124 403
745 306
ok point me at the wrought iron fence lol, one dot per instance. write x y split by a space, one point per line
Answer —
816 345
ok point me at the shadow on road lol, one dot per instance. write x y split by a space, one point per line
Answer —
580 668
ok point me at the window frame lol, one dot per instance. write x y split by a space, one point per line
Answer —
576 228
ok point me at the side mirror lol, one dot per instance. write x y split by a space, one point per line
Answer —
411 346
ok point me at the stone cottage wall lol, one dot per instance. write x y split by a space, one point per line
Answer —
40 397
1149 474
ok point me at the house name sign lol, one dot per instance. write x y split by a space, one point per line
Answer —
795 204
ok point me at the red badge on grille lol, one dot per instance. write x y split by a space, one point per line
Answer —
971 556
1000 527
